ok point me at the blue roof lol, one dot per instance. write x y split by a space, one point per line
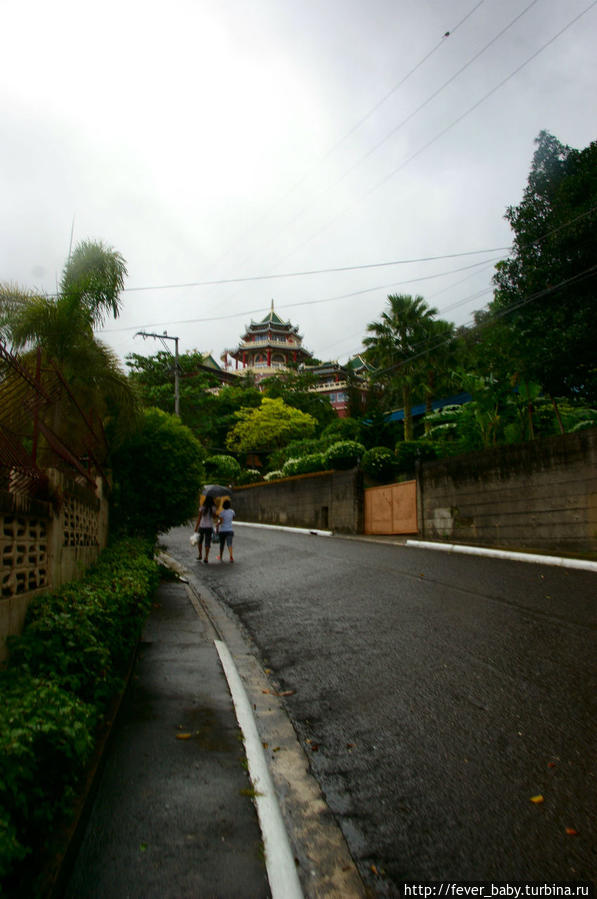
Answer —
458 400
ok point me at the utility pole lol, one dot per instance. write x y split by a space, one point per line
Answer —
163 337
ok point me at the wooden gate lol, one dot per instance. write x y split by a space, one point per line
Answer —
391 509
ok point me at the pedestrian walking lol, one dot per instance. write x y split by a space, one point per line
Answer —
205 526
226 532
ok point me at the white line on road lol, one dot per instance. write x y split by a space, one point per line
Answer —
560 561
281 869
282 527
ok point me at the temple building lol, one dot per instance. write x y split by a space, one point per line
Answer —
267 347
337 382
272 345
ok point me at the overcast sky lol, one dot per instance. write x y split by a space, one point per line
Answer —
226 141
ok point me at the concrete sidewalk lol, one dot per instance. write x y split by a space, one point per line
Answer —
173 814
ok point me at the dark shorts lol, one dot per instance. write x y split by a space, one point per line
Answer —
205 534
226 538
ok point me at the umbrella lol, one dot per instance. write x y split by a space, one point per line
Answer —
216 490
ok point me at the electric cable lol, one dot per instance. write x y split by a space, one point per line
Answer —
581 276
448 128
231 315
362 120
412 114
321 271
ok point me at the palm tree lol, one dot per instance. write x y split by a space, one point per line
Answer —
55 333
397 348
437 359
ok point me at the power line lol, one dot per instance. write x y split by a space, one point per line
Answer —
449 127
321 271
368 114
415 111
581 276
537 240
344 296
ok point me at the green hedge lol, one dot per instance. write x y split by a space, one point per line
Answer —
304 465
70 660
343 454
379 463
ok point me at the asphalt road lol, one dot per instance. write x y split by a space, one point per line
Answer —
435 696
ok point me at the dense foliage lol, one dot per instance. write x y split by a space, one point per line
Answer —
62 670
271 425
222 469
343 454
158 473
546 288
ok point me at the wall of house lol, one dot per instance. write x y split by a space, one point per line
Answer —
540 495
44 545
330 500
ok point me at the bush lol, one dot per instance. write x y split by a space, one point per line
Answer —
273 476
343 454
61 673
304 465
249 476
379 463
296 450
222 469
158 473
408 451
342 429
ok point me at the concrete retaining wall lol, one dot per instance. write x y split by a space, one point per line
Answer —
540 495
329 500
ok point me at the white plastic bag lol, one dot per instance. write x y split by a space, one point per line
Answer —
194 539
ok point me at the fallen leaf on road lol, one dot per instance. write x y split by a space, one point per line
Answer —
184 736
571 832
537 799
287 693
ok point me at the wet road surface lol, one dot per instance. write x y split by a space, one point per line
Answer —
435 695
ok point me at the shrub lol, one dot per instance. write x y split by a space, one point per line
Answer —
249 476
304 465
158 472
342 429
379 463
222 469
273 476
408 451
62 671
296 449
343 454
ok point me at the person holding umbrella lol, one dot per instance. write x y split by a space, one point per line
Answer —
208 513
205 525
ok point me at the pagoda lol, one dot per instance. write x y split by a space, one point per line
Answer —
269 346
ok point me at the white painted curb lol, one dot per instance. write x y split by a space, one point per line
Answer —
279 860
282 527
536 558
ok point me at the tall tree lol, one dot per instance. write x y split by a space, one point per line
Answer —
546 290
397 346
60 330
